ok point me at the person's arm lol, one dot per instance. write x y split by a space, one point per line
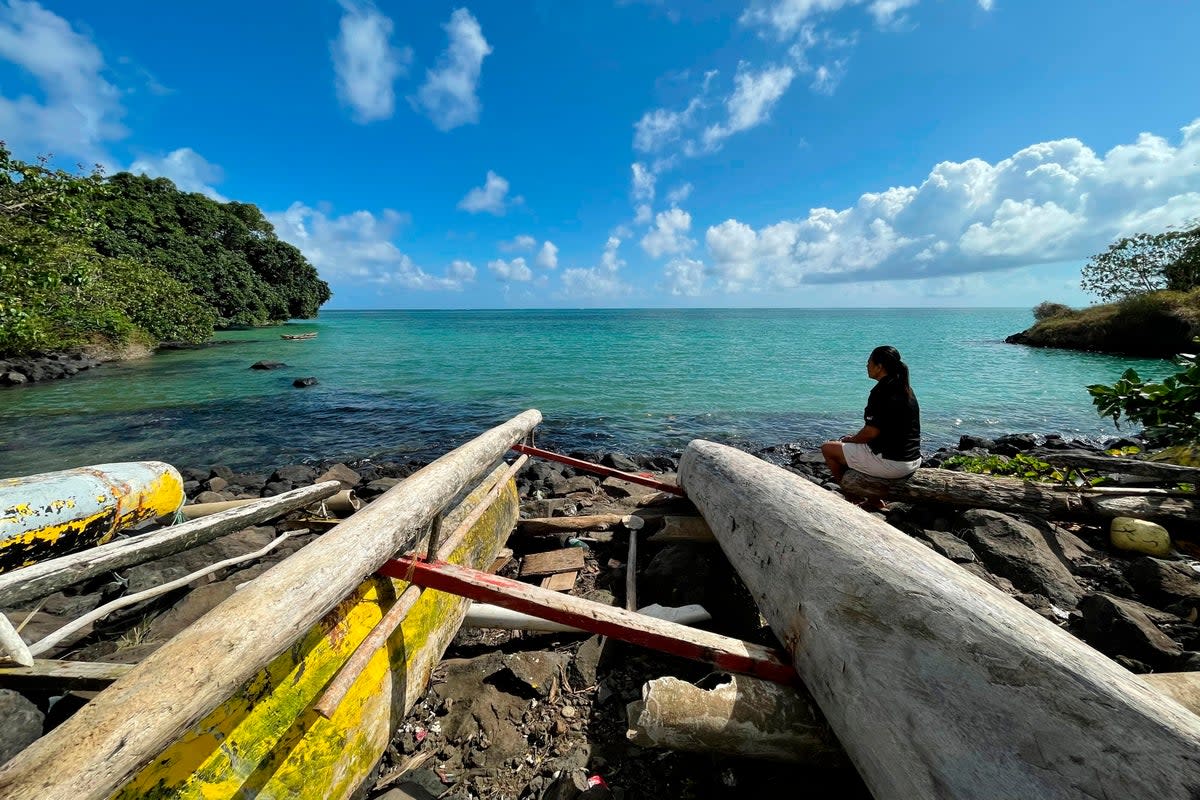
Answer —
865 435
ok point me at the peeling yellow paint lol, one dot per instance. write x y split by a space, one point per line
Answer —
267 742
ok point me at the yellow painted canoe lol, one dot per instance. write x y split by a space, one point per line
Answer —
54 513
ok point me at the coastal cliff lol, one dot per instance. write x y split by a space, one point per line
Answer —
1157 325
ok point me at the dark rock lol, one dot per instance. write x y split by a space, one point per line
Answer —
210 497
1164 582
1123 627
347 477
537 670
377 487
581 483
950 546
661 464
1107 578
274 488
220 471
551 507
268 365
980 571
587 661
13 378
1020 552
620 461
22 724
216 484
1020 441
304 383
969 442
678 575
191 487
298 474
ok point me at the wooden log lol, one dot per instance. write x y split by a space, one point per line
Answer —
937 684
744 717
48 577
567 559
732 655
683 529
57 676
1158 470
551 525
969 490
96 751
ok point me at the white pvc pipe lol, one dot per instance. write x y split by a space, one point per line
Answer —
483 615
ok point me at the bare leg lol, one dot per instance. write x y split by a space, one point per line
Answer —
835 459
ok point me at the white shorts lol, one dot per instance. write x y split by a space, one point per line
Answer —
862 458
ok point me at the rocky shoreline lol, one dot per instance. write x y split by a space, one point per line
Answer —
521 714
37 367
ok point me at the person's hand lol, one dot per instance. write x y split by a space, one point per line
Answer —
845 438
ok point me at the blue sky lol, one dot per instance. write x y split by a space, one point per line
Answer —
808 153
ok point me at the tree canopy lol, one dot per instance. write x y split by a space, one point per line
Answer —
88 259
1145 263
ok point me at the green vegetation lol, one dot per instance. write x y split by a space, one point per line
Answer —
1170 410
1021 466
89 260
1145 263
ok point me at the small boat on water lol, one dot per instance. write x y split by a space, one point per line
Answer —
297 336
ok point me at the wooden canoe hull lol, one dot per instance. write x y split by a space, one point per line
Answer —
55 513
267 741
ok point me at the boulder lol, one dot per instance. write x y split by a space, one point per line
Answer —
615 487
581 483
196 604
1020 442
210 497
969 442
1122 627
220 471
347 477
619 461
304 383
22 724
949 545
298 474
264 365
12 378
1164 582
678 575
215 484
1020 552
1139 536
377 487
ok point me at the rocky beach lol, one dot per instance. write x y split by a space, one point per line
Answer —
544 715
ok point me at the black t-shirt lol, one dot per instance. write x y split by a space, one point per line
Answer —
895 412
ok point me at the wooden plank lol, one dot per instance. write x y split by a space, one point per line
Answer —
560 581
48 577
965 489
937 684
724 652
501 561
551 525
568 559
95 752
48 674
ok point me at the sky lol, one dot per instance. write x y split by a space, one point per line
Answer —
640 153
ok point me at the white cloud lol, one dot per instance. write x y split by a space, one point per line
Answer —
684 277
79 109
491 197
750 105
669 234
365 63
186 168
786 18
547 257
601 281
518 243
643 182
827 77
358 247
515 270
643 214
660 127
448 95
679 194
1051 202
986 5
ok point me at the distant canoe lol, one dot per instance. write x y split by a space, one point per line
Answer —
294 336
55 513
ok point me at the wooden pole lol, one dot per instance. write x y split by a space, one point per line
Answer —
1010 494
48 577
591 522
937 684
127 725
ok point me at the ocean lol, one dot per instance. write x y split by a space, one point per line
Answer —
412 384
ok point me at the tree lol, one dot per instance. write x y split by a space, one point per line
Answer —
1144 263
1170 410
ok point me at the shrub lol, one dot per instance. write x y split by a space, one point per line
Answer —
1170 410
1048 310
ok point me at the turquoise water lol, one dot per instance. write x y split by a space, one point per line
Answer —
401 384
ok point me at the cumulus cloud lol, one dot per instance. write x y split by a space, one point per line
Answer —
547 257
643 182
518 243
491 197
643 214
679 194
754 96
358 247
1050 202
448 96
365 63
515 270
684 277
669 234
186 168
598 282
78 109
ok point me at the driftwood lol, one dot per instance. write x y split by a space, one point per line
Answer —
48 643
49 577
56 676
567 559
937 684
1011 494
592 522
130 723
12 646
744 717
1082 459
1182 687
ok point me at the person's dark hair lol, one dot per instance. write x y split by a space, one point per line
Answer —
888 357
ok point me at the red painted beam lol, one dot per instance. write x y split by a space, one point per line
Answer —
723 652
600 469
